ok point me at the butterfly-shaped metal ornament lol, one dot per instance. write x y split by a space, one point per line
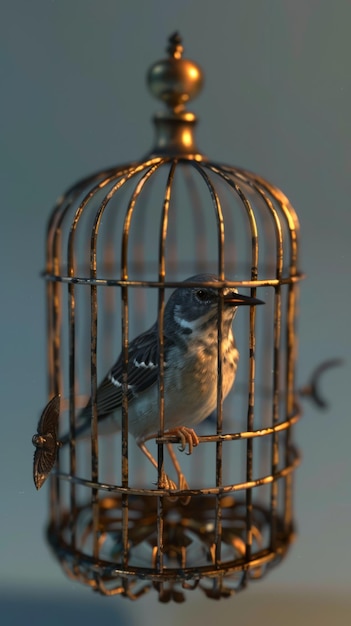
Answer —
46 442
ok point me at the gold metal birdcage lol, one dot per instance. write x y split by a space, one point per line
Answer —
118 242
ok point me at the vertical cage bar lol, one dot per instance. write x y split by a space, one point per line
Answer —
72 409
72 376
94 423
275 411
54 306
161 389
293 230
276 357
124 459
218 581
155 164
130 210
290 398
251 375
57 317
93 352
93 394
199 226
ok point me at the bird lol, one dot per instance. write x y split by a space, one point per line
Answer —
190 332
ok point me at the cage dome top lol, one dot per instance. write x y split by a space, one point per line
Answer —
256 226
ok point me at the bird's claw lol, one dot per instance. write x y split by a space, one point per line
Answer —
187 436
166 482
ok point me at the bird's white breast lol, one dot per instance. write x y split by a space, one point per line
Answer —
190 388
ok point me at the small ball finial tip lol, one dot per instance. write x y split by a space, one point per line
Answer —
175 48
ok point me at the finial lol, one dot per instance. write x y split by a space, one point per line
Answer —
175 48
175 81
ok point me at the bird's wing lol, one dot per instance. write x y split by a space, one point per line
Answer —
142 373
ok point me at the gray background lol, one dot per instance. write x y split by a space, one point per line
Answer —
277 101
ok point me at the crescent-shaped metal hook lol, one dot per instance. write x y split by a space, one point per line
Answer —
311 390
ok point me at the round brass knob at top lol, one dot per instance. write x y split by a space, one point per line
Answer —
175 80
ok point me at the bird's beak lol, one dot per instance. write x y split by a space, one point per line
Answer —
238 299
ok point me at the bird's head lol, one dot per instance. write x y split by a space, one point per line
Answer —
192 309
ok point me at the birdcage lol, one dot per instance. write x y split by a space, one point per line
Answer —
118 243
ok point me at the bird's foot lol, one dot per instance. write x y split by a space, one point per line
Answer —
187 436
166 482
182 483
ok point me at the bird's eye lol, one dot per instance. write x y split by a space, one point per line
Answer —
202 295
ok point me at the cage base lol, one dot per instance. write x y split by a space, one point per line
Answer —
192 550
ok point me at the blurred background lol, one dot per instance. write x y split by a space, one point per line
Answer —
276 101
